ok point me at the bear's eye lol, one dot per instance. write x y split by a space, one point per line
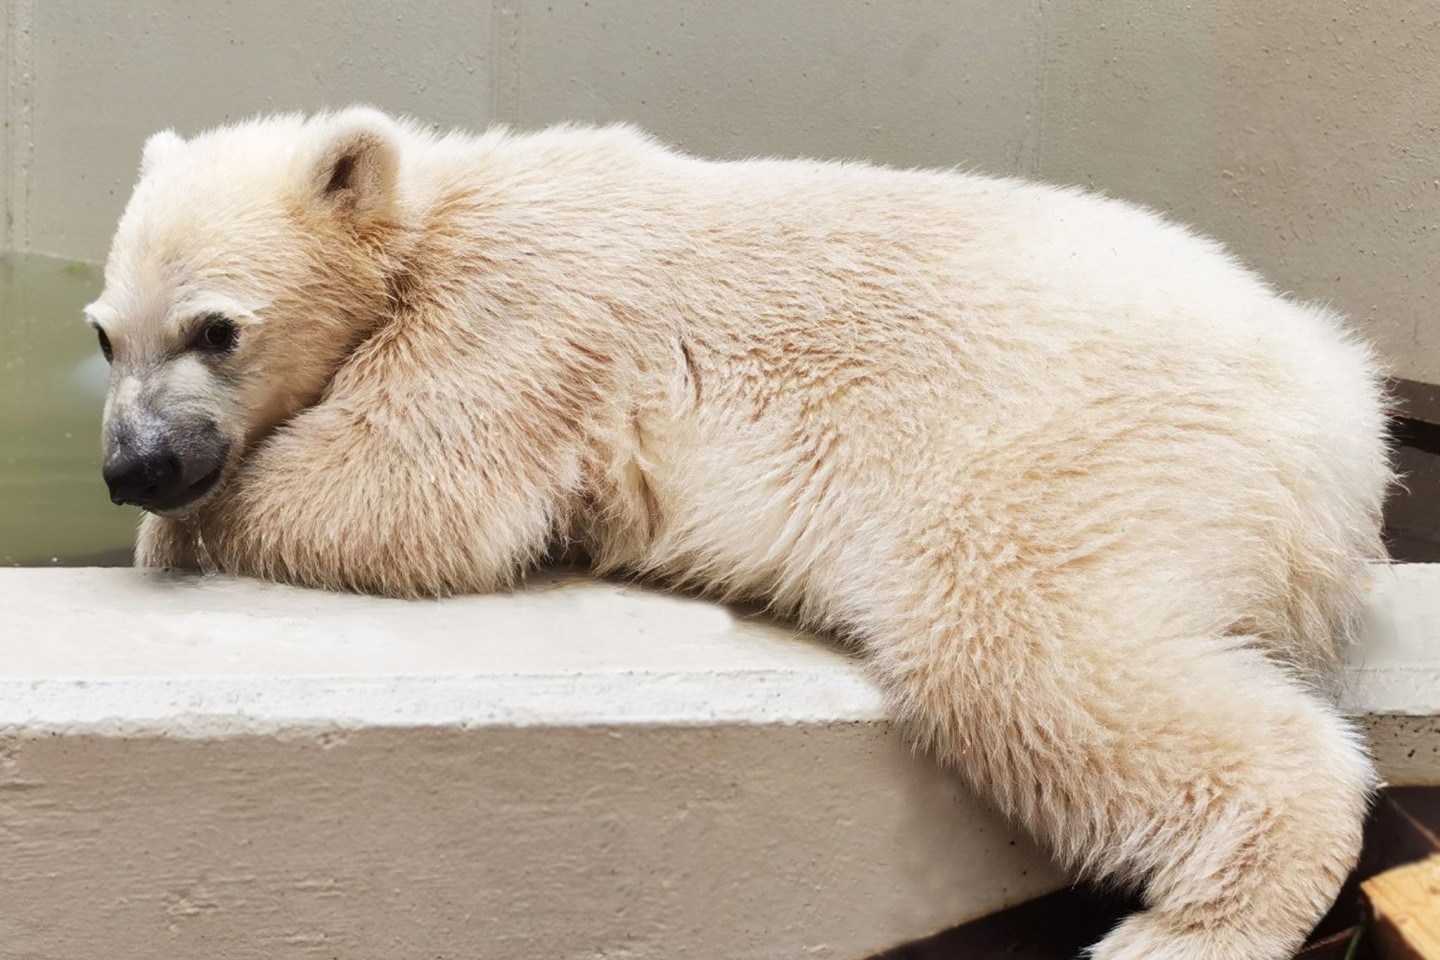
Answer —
217 335
105 346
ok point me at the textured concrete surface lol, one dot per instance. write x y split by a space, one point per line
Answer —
212 767
501 843
1305 133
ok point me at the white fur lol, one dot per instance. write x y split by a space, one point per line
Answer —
1091 496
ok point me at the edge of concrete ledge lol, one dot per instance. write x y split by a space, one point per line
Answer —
126 652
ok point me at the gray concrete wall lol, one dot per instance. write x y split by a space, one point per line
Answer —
1302 132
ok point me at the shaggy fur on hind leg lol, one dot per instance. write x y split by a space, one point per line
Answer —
1192 767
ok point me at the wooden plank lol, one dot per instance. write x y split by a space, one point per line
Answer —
1405 911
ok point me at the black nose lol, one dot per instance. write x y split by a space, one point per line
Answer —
143 477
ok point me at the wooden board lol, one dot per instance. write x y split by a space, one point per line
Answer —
1405 910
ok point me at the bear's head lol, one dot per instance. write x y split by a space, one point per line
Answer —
250 261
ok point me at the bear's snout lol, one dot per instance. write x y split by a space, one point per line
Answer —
168 470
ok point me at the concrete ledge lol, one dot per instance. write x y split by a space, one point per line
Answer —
209 767
1396 687
147 652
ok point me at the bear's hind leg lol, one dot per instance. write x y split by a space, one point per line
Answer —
1193 767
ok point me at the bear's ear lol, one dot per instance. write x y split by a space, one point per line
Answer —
357 164
158 147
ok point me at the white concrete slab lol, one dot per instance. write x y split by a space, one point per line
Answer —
131 652
210 767
1397 669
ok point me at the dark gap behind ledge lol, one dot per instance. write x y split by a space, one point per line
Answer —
1412 514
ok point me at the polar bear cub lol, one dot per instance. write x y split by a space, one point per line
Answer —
1093 499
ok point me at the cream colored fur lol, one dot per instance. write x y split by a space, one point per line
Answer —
1091 496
